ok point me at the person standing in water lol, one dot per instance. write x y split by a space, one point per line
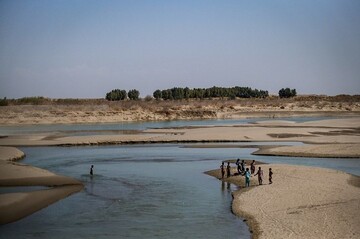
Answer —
270 176
260 175
91 170
247 177
222 167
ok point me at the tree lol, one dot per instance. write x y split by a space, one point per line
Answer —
116 94
157 94
133 94
287 93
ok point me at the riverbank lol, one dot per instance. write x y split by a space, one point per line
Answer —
71 111
16 205
302 202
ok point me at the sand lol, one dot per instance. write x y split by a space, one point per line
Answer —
14 206
302 202
330 138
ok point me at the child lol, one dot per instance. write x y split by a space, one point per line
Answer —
247 177
270 176
260 175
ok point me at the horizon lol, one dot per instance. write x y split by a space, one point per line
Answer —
84 49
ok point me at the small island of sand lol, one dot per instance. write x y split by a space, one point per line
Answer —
302 202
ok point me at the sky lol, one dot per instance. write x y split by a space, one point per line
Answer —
86 48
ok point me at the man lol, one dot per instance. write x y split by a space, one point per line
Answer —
260 175
91 170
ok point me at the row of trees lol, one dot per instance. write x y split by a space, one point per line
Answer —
178 93
118 94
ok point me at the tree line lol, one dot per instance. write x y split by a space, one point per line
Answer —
179 93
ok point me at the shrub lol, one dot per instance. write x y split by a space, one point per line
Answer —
4 102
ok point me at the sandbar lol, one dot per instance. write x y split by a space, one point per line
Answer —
302 202
14 206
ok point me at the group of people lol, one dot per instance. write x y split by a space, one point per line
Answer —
242 170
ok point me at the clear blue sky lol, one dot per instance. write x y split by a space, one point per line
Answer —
83 49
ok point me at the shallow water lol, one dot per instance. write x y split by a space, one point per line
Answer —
88 129
150 191
137 191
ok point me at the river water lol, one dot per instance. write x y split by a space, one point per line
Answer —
144 191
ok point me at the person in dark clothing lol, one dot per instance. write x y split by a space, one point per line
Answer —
228 170
243 166
270 176
252 167
91 170
260 175
222 167
238 166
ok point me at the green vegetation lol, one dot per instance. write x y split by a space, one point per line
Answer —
287 93
133 94
36 100
178 93
4 102
116 95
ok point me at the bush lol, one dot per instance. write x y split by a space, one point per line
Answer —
148 98
4 102
37 100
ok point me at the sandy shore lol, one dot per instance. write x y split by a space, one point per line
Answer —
330 138
302 202
14 206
